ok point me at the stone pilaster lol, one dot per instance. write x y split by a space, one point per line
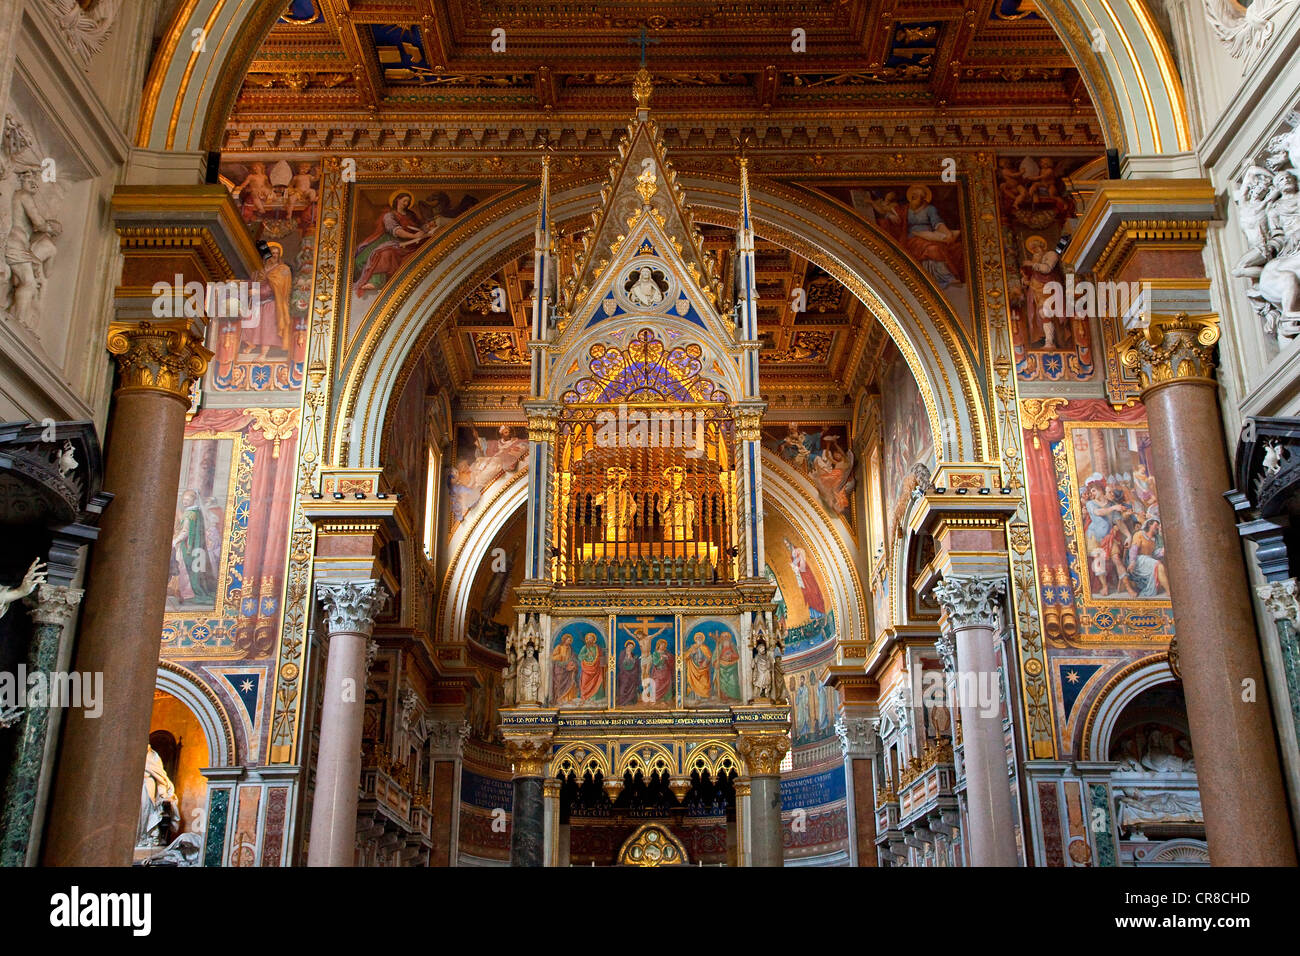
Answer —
1246 818
972 606
543 420
859 744
350 608
446 747
53 609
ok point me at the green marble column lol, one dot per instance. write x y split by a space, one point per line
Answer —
52 607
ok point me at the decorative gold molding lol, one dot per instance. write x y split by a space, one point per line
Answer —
1172 349
165 357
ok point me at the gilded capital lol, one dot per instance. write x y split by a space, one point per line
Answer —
351 606
165 357
529 755
1172 348
763 753
971 600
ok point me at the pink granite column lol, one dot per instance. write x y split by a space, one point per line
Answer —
1233 738
971 604
350 608
95 804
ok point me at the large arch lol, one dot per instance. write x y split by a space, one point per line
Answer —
1120 53
191 691
407 313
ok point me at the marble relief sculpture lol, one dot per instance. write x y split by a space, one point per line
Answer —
1268 211
30 238
1245 29
1143 808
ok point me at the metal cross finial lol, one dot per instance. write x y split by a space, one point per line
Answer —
642 41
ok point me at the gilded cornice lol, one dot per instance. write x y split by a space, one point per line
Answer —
201 220
1128 213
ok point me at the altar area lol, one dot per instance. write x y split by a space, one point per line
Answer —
645 716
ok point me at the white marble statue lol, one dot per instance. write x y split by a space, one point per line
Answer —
160 810
762 670
508 673
1142 808
645 291
1268 214
529 680
33 579
66 460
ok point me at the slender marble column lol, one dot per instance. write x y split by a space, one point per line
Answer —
528 756
971 604
53 608
859 743
1246 819
762 755
95 808
351 608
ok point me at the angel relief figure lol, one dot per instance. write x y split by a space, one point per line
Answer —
399 231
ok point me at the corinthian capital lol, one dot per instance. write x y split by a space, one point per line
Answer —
1172 348
352 605
857 736
54 604
447 737
164 357
763 753
1280 600
971 600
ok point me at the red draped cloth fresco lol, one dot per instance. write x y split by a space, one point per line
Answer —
1050 548
269 512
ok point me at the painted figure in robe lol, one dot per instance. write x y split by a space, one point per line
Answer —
564 672
699 660
627 689
662 667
